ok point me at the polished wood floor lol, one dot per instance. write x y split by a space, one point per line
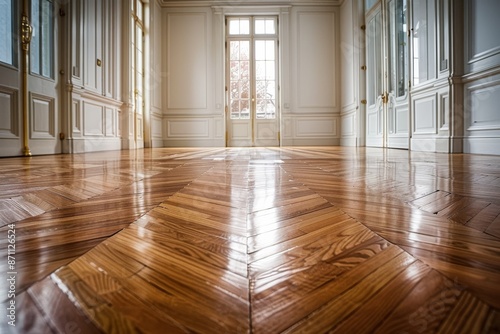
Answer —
261 240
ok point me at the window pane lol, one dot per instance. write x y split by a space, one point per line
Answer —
260 27
234 27
46 27
42 41
139 10
265 26
239 26
265 76
239 79
6 29
244 26
402 48
270 27
369 4
420 41
35 38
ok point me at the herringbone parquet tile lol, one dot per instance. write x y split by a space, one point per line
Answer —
309 240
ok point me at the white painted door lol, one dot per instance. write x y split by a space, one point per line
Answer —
44 127
41 123
252 113
11 118
387 117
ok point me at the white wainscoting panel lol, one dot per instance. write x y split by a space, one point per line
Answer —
76 116
316 127
9 119
348 124
110 122
219 128
311 130
444 110
481 37
156 126
372 124
484 106
401 121
425 115
93 119
42 117
188 128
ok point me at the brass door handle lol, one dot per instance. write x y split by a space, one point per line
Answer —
385 97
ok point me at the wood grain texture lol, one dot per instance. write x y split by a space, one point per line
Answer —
254 240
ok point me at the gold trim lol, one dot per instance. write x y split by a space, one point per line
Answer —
26 31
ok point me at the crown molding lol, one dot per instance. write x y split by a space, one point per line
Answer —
245 3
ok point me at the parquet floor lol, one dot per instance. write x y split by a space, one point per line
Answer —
261 240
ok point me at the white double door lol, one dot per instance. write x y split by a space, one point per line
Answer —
38 130
387 77
252 112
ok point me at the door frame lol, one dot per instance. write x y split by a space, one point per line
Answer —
275 124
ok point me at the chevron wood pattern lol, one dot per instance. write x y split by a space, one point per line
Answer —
252 240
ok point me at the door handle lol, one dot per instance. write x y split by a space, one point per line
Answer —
385 97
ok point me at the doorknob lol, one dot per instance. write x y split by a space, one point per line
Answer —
385 97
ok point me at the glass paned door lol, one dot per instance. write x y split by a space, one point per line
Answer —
387 112
251 84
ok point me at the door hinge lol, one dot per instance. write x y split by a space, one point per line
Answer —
62 12
409 83
279 136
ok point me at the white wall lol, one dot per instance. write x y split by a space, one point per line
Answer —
352 77
190 116
193 49
482 77
312 115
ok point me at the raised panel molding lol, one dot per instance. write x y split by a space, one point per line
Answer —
76 116
424 115
93 119
187 62
42 117
9 118
93 32
139 126
265 131
240 130
482 112
401 122
188 128
156 127
348 124
444 111
110 122
316 63
316 127
482 40
219 128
